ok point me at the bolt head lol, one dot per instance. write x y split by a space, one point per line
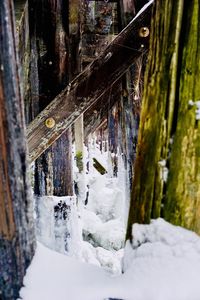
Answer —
144 32
50 122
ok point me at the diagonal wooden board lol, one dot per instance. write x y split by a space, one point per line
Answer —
87 88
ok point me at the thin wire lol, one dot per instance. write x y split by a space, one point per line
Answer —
130 48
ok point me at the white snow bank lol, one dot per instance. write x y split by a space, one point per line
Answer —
88 254
109 235
163 264
58 228
54 276
105 197
91 222
161 239
109 260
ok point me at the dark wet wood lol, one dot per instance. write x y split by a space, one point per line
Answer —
89 86
96 115
17 241
49 35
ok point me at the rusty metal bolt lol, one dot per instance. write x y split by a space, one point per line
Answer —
144 32
50 123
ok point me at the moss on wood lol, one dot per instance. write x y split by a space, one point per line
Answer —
169 132
99 167
182 205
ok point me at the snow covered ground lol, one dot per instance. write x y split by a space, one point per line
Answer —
162 264
60 222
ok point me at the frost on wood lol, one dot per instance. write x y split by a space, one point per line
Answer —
197 110
58 227
57 223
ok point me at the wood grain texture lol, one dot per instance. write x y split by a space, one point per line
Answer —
89 86
52 47
17 239
169 135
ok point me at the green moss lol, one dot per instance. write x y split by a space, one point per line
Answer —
157 115
79 161
99 167
74 12
183 189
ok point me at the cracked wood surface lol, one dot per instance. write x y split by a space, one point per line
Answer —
17 238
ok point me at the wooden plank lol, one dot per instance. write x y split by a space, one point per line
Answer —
24 51
98 113
90 85
95 115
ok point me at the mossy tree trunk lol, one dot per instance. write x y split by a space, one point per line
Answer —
167 168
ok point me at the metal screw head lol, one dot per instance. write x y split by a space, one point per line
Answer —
50 122
144 32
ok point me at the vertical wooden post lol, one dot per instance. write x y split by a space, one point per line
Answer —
62 165
113 136
167 169
79 140
49 29
79 145
17 239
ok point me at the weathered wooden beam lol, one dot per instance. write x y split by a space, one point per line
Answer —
167 174
98 112
24 50
17 241
90 85
50 72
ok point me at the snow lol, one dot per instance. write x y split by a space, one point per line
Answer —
57 223
163 170
197 110
163 263
105 197
109 235
111 261
101 221
161 239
